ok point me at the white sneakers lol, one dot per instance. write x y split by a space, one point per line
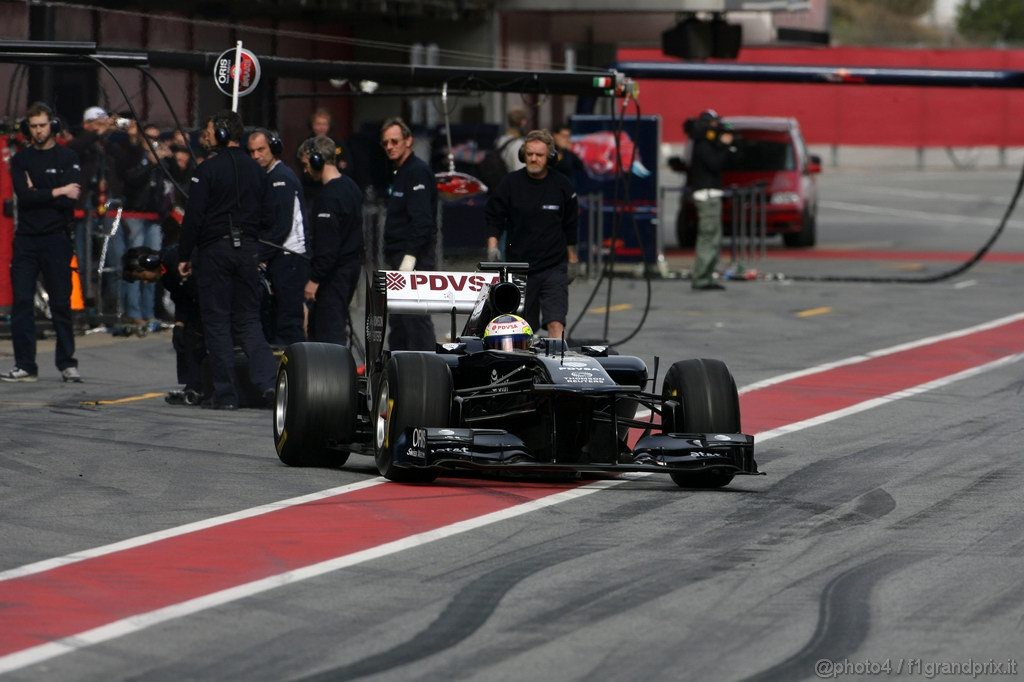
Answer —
18 374
71 374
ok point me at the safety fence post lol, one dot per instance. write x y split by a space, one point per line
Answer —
747 237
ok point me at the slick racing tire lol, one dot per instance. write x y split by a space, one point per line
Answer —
315 404
708 403
414 391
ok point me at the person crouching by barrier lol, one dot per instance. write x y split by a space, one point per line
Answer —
143 264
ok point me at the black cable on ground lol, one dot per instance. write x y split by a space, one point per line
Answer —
939 277
625 180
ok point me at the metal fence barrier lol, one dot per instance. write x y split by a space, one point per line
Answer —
749 223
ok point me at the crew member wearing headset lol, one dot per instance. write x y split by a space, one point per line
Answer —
410 229
227 210
287 267
536 207
46 182
337 255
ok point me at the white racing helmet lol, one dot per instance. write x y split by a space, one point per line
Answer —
508 332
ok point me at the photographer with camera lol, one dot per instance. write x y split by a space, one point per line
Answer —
136 178
712 144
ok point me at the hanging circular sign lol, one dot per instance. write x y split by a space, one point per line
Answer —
224 72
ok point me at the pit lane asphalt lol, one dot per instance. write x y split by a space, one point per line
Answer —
891 534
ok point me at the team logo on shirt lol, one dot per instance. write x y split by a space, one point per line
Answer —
549 207
418 187
323 215
280 183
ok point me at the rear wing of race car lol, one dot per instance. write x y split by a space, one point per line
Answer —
425 292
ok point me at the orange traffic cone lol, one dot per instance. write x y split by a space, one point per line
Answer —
77 302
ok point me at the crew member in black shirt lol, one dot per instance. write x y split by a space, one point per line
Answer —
537 209
337 256
410 230
143 264
46 180
288 266
228 208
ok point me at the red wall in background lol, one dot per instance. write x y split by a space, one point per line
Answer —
854 114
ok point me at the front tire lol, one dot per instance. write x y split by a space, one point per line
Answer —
414 391
708 403
315 404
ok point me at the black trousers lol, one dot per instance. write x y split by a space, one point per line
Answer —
411 332
328 320
229 302
288 276
50 256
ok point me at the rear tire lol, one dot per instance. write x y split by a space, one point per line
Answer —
414 391
315 403
708 403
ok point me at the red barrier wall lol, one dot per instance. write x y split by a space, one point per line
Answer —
854 114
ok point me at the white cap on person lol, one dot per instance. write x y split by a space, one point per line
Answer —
93 113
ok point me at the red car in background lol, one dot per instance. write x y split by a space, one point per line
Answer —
772 151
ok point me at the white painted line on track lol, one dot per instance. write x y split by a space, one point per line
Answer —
965 284
925 216
149 538
141 621
927 341
892 397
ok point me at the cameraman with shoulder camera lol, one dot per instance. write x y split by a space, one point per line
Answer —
712 144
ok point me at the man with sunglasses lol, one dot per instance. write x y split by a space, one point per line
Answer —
410 229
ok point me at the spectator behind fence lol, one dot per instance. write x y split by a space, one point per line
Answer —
136 178
90 145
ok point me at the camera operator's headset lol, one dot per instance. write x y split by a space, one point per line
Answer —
55 125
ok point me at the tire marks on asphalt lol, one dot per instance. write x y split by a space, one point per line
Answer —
844 618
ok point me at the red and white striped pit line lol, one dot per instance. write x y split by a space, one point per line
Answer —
60 605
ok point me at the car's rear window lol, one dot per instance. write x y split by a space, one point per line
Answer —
761 154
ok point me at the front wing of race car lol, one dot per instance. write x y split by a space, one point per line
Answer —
496 449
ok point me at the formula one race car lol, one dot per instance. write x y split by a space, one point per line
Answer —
496 401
